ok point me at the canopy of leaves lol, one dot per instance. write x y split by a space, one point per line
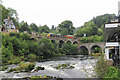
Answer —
95 26
92 39
44 28
89 29
66 27
69 48
34 27
102 19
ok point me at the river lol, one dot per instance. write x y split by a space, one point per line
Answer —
83 68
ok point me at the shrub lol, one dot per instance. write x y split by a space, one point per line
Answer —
11 70
96 54
101 66
27 66
112 73
4 68
14 34
32 57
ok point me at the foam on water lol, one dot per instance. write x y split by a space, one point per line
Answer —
83 68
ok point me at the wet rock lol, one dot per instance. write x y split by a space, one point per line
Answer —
64 66
39 68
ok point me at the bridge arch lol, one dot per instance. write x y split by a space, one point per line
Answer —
90 46
53 41
75 42
68 41
96 49
83 50
61 42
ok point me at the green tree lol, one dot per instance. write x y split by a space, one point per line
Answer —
34 48
102 19
25 36
24 26
89 29
95 26
69 49
6 54
11 34
47 48
13 13
64 31
34 27
44 29
66 25
92 39
23 48
5 12
16 42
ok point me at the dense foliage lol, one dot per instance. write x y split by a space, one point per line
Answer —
89 29
18 47
105 69
91 32
112 72
102 19
94 26
102 65
66 27
92 39
69 48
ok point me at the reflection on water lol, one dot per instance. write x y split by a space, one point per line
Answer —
83 68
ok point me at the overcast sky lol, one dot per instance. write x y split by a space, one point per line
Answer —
53 12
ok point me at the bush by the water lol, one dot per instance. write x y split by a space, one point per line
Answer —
4 68
112 72
27 67
102 65
96 54
17 47
45 77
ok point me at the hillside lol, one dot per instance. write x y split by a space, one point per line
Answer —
95 26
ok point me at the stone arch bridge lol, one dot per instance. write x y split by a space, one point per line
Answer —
88 46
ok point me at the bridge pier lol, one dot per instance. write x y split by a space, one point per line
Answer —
102 50
89 52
